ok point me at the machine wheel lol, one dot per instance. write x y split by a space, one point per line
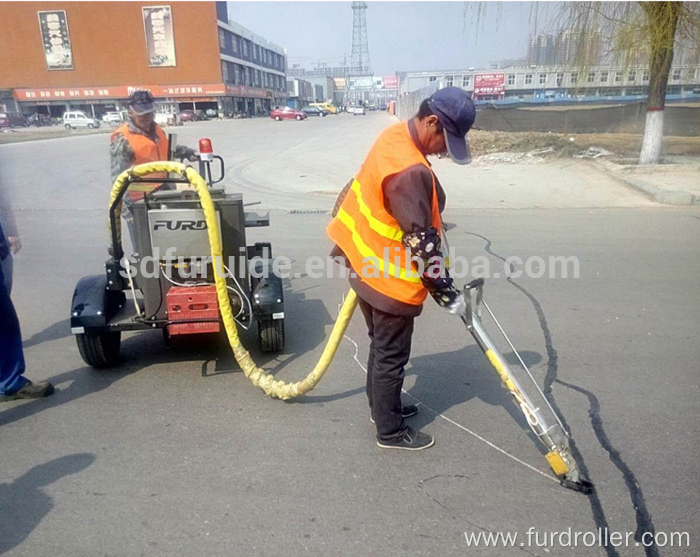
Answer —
99 350
277 118
298 117
271 335
91 126
67 126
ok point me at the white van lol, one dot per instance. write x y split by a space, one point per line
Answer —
78 119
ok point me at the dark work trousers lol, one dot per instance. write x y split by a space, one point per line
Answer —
389 351
11 354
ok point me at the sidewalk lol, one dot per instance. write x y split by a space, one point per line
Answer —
671 184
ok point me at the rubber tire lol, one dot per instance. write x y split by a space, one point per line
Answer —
91 126
99 350
277 118
67 126
271 335
298 118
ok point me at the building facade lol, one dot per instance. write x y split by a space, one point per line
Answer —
300 93
553 82
54 56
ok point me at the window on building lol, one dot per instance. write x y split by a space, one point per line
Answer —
244 47
690 74
511 79
234 43
543 78
465 81
591 77
257 52
676 74
224 71
449 81
236 74
618 77
222 39
604 77
574 78
560 79
645 76
432 78
528 79
632 76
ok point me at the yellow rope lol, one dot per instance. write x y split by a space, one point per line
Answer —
271 386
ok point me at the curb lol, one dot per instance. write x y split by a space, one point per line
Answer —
672 197
667 197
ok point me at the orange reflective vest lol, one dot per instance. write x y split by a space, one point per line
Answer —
145 150
368 235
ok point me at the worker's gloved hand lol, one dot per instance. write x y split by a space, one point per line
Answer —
15 244
458 306
426 244
185 153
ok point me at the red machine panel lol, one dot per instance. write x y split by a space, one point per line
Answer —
192 303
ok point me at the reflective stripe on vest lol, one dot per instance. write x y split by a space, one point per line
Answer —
363 228
145 150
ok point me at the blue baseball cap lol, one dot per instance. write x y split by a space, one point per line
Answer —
456 113
141 102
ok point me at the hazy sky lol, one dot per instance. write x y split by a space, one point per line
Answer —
402 35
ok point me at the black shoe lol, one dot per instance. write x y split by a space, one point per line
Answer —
30 390
412 440
406 412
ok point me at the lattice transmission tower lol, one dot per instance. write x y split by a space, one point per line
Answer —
359 59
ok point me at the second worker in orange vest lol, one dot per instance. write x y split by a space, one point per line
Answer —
140 140
387 215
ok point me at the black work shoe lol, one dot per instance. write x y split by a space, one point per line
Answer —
406 412
30 390
412 440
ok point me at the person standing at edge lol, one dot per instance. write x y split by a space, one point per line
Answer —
394 203
13 384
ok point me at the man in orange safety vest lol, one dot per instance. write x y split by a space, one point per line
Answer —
387 216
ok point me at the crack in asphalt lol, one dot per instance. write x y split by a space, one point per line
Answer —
456 516
642 515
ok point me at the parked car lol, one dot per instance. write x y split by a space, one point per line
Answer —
13 120
314 111
326 106
113 118
358 111
78 119
287 113
37 119
189 115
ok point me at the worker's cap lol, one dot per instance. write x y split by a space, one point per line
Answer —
141 102
456 113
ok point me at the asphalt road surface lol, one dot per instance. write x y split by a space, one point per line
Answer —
175 453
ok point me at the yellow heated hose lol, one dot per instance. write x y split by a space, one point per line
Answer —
271 386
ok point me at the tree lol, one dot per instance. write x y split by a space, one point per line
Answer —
630 33
637 32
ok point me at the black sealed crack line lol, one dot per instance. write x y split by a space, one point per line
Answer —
642 515
644 523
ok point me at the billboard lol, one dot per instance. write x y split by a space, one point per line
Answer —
489 83
390 82
56 40
160 40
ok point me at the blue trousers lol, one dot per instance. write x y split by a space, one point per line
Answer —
11 353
